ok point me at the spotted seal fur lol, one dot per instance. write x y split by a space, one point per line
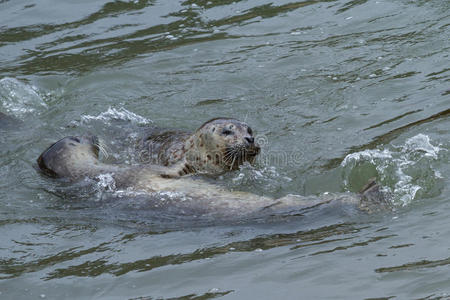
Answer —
217 146
77 157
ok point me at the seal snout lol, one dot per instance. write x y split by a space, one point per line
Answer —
51 161
250 139
252 149
57 160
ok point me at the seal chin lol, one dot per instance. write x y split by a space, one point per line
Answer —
253 150
239 154
252 153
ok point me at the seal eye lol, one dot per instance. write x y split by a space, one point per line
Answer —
250 131
226 132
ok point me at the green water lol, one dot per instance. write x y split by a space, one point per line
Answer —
337 92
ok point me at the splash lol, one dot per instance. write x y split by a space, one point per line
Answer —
168 195
405 171
106 182
120 114
18 98
266 178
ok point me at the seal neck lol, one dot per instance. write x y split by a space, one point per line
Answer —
200 158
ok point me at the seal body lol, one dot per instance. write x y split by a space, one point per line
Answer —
218 146
163 147
77 157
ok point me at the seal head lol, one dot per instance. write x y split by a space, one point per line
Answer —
62 159
220 145
216 147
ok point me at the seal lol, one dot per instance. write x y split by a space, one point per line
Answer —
76 157
217 146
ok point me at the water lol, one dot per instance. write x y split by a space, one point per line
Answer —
337 91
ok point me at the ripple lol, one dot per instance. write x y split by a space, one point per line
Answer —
19 99
418 265
300 239
120 114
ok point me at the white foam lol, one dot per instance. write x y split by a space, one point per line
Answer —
421 142
106 182
168 195
370 155
397 167
18 98
116 114
130 192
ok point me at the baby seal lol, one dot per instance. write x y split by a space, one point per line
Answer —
77 157
218 146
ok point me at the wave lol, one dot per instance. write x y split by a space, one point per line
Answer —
120 114
18 98
405 171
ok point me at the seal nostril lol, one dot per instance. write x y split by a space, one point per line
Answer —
250 140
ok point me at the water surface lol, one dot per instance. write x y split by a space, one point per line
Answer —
337 91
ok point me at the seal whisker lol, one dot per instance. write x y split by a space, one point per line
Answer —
102 148
217 146
231 167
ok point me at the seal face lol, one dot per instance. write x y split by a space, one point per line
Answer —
62 157
218 146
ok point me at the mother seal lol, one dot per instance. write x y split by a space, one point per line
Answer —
77 157
217 146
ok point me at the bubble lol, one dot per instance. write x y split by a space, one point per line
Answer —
106 182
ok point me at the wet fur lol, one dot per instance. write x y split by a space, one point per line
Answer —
216 147
77 157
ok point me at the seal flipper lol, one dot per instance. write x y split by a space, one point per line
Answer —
373 199
178 170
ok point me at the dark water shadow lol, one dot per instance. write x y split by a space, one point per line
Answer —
110 9
120 49
205 296
418 265
322 235
350 5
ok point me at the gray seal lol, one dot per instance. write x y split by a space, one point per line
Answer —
217 146
74 158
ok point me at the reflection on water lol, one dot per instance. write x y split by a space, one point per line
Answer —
352 89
